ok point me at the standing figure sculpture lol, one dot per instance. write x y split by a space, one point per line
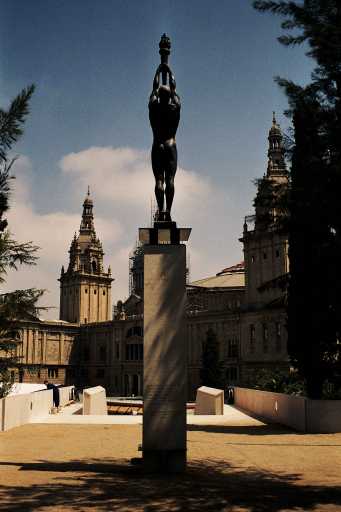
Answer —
164 116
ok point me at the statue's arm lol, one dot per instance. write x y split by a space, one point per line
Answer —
156 83
172 86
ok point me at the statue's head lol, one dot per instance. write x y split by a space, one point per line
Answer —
164 93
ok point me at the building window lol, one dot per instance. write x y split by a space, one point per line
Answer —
265 338
86 353
103 353
100 373
264 256
52 373
70 373
252 338
231 374
137 330
232 348
134 352
252 259
278 337
86 290
84 374
85 320
95 292
103 292
277 253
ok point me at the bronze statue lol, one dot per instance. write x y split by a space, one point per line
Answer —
164 116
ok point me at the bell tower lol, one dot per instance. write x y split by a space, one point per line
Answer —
266 242
85 288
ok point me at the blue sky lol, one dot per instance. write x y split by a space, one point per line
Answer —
93 65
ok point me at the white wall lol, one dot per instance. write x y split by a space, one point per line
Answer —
15 411
66 395
41 404
323 416
299 413
20 409
23 388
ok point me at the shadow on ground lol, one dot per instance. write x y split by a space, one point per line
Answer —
207 486
251 430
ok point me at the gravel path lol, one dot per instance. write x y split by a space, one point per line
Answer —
240 466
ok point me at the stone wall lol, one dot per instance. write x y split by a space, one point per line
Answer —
299 413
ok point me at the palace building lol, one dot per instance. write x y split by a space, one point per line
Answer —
243 304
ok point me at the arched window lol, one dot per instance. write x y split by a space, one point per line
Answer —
94 266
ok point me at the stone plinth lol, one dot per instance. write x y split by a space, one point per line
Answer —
95 401
165 358
209 401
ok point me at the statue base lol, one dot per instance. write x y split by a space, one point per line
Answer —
164 232
165 359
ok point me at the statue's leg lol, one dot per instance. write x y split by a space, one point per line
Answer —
171 161
157 165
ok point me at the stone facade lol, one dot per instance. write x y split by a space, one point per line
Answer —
48 351
243 304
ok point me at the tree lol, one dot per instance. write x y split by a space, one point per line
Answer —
20 303
211 372
311 331
314 298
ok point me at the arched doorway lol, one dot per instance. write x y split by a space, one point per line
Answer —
135 386
126 385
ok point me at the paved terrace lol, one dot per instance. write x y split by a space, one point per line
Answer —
237 464
72 415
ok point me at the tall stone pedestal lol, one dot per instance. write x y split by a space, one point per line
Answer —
165 358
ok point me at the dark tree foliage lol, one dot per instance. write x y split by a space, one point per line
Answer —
211 372
12 120
278 381
312 342
271 204
20 304
314 206
14 306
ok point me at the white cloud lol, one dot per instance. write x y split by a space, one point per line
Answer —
124 175
122 185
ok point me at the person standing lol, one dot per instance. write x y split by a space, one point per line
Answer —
55 392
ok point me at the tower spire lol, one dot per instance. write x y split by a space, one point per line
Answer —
87 223
276 161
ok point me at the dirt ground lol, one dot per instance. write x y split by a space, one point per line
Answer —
241 468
